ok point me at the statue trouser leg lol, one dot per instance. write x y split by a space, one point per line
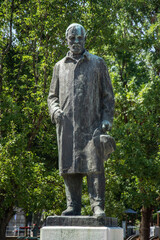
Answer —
73 187
96 189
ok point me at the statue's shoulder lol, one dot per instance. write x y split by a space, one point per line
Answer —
60 62
95 58
59 65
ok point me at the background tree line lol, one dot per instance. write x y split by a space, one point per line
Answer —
32 39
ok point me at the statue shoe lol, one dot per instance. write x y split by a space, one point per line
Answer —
99 212
70 211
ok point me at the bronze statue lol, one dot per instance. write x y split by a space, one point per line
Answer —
81 103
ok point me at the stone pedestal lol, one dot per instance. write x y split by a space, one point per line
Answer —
82 221
81 228
81 233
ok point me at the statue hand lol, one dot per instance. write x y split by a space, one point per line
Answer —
106 126
58 116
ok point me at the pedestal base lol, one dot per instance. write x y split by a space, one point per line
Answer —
81 221
81 233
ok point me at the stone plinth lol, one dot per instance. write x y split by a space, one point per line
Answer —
81 233
85 221
81 228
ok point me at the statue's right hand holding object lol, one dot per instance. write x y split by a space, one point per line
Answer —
106 126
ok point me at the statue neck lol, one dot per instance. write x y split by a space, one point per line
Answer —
76 56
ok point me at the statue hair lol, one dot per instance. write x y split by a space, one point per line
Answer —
74 25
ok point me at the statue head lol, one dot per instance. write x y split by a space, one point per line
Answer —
76 36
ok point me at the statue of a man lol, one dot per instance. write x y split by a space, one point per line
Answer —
81 103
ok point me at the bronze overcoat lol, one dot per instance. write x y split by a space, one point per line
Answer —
83 91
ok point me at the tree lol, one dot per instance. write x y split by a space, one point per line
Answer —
29 176
136 128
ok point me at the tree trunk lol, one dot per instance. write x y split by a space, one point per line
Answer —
145 223
4 222
2 230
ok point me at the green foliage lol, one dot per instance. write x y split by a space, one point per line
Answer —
138 141
25 180
86 207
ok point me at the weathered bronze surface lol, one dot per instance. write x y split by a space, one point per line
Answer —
81 103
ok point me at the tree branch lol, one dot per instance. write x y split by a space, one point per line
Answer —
35 130
10 29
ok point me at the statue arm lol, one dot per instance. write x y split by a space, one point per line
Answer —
53 97
107 99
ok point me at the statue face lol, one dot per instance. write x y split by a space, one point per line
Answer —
76 40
